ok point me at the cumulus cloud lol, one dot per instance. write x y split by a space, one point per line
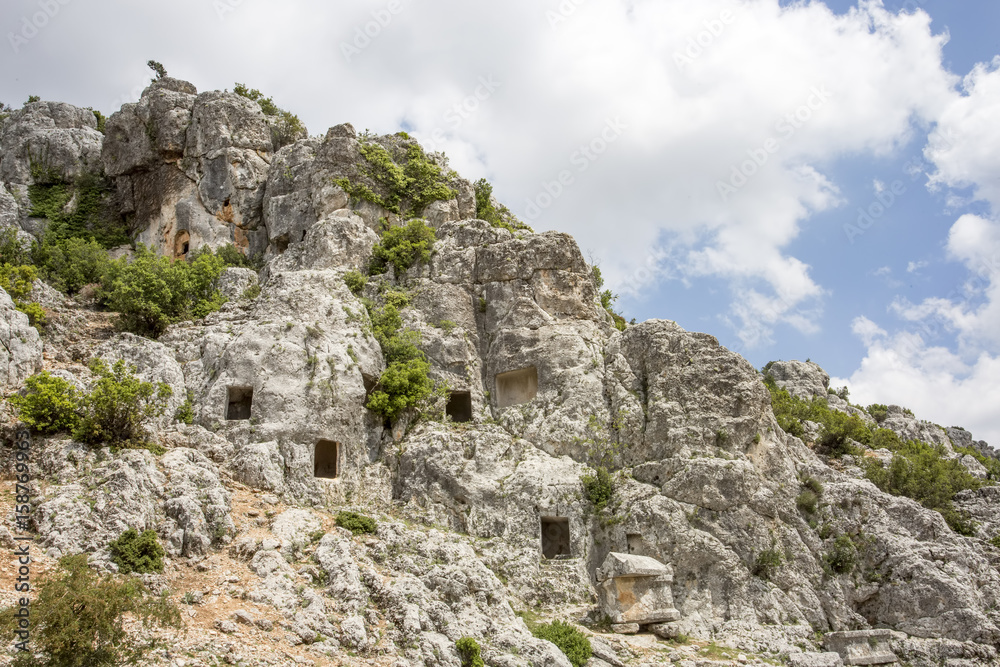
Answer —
945 360
725 110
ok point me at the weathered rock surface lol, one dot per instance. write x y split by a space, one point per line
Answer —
706 481
20 345
49 140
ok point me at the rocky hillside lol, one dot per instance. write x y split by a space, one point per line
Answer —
476 443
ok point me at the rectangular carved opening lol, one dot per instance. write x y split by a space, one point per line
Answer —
327 459
459 406
240 400
516 387
555 537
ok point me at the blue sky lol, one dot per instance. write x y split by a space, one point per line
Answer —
627 123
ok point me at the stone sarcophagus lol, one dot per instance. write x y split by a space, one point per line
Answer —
635 590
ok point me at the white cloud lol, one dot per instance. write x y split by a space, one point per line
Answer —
780 91
913 267
867 330
932 381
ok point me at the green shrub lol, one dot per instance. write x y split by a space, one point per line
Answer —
402 247
878 412
359 524
151 292
185 411
837 430
82 208
405 189
992 465
232 256
573 643
807 501
116 410
50 404
767 562
36 314
921 472
599 488
468 652
996 541
12 249
285 126
813 484
607 298
496 216
843 556
69 264
78 618
158 69
17 281
401 387
139 553
355 281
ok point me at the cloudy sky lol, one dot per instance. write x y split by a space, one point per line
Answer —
800 179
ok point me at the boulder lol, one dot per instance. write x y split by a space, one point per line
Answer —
635 590
20 345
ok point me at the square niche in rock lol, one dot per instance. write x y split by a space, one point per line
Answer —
515 387
239 402
459 406
326 459
555 537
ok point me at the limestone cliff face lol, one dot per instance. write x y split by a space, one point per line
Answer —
707 481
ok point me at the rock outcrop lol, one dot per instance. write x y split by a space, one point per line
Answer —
487 511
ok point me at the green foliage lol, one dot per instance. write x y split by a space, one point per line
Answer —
33 98
498 216
286 126
159 70
878 412
81 209
843 556
995 541
355 281
992 465
18 281
807 501
402 247
185 411
837 428
468 652
231 256
406 189
921 472
139 553
151 292
101 119
359 524
767 562
607 298
482 305
401 387
116 410
813 485
12 250
599 488
78 618
68 264
49 404
573 643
